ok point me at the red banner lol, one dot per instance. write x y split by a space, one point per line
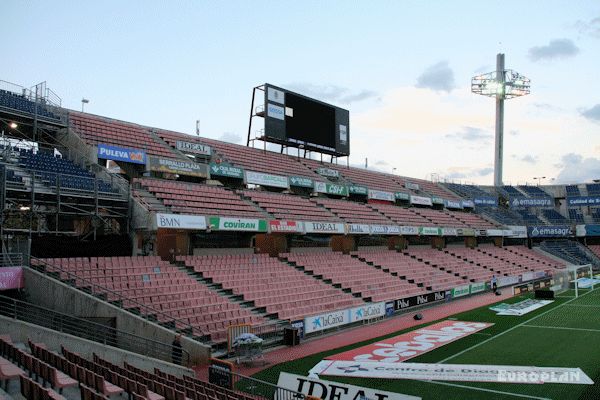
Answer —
11 278
412 344
285 226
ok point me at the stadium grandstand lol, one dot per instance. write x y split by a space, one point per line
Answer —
135 237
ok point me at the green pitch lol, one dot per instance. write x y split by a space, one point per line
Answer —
565 333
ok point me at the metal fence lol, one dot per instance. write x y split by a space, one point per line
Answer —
11 259
139 309
256 387
86 329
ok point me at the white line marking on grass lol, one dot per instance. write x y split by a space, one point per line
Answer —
488 390
561 327
511 329
584 305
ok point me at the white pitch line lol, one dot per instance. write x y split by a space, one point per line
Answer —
561 327
511 329
488 390
584 305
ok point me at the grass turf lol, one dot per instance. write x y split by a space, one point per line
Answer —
565 333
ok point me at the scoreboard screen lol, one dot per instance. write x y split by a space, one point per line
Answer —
299 121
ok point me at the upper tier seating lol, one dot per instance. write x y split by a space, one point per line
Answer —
593 189
400 215
529 218
505 217
94 130
554 217
576 215
269 283
353 274
352 212
432 188
58 171
569 250
572 190
192 198
21 103
498 260
530 254
595 213
283 206
438 218
512 191
451 264
161 286
412 271
471 220
248 157
533 191
468 191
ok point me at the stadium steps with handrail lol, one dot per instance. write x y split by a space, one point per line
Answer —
158 139
249 201
228 293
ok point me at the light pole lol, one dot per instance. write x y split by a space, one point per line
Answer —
502 84
83 102
539 179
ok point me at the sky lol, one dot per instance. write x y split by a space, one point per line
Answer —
402 68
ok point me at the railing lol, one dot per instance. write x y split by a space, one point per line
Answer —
11 260
144 311
256 387
85 329
271 332
43 93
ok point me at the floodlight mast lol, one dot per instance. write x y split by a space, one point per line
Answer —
502 84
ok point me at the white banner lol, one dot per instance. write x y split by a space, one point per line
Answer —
275 95
453 372
195 148
327 390
527 276
409 230
381 195
385 230
180 221
449 232
411 186
354 229
324 227
259 178
518 231
494 232
424 201
325 321
580 230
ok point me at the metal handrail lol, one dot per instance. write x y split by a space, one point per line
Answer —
11 260
85 329
257 387
144 310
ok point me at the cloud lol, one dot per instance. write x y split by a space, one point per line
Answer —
382 163
437 77
591 27
592 113
555 49
527 158
484 171
332 93
471 134
576 169
230 137
514 132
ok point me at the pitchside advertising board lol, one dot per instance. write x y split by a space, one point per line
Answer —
412 344
324 227
115 153
453 372
282 226
296 120
334 319
420 300
327 390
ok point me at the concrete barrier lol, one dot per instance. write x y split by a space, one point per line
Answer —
55 295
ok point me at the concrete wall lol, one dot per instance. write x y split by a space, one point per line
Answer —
55 295
20 331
